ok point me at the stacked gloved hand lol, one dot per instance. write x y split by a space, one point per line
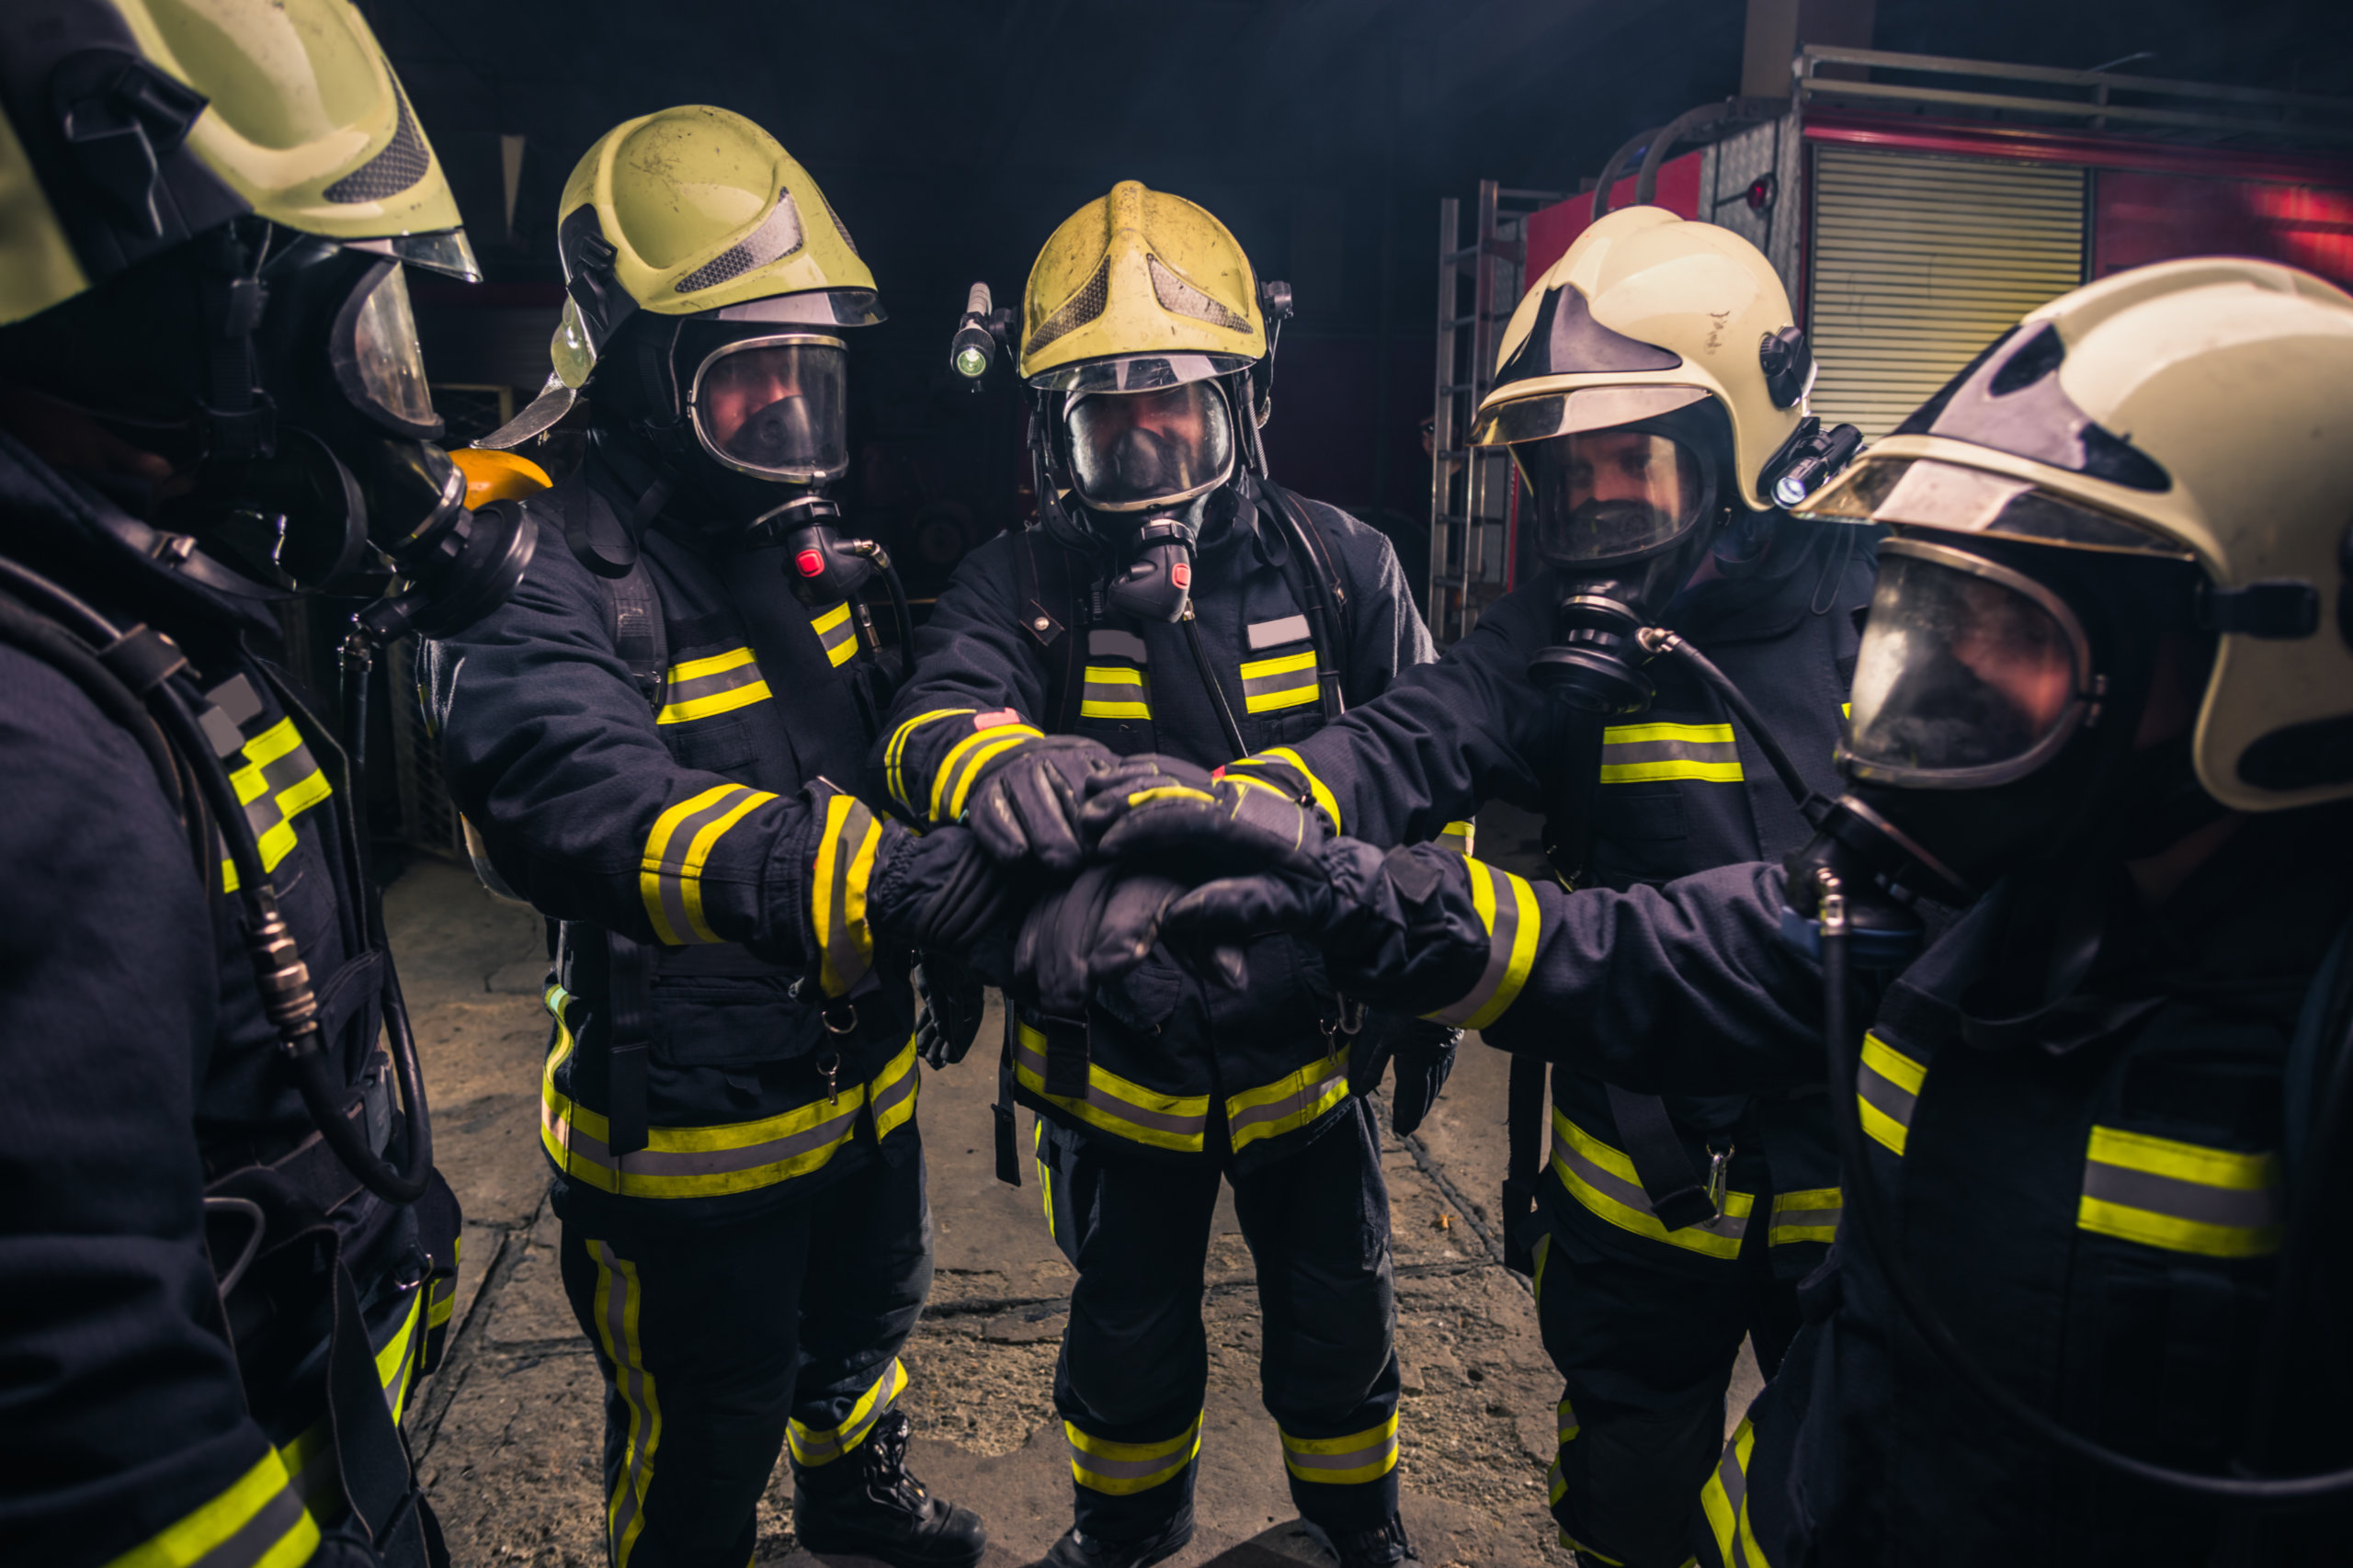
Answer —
1160 809
1423 1052
1024 806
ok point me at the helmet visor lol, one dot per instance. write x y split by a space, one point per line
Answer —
776 407
1968 673
1133 451
1603 495
376 358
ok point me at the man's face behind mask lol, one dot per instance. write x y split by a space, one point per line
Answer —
1606 495
774 407
1134 451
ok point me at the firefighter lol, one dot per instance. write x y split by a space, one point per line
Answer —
2084 1306
229 1259
651 741
1653 391
1172 599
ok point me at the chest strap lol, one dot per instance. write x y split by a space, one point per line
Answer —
1679 1195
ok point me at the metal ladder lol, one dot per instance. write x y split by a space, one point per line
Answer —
1471 490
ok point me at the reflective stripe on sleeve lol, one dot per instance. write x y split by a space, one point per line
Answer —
396 1357
1293 1101
618 1301
1724 1501
958 772
846 850
1271 685
1640 754
669 876
1115 1104
1343 1461
1122 1469
895 755
814 1446
1462 838
257 1521
1887 1083
1602 1179
840 638
2181 1196
697 688
1808 1216
1507 906
714 1161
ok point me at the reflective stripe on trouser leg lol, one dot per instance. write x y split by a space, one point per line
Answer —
869 1270
1123 1469
1346 1460
1724 1500
815 1445
619 1302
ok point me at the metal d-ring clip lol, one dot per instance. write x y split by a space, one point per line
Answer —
847 1020
1719 1167
829 1066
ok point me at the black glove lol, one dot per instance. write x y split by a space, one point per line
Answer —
1163 810
1423 1050
1024 806
953 1000
1077 933
939 891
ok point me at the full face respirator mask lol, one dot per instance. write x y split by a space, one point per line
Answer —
1141 468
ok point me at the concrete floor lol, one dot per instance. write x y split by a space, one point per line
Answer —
506 1435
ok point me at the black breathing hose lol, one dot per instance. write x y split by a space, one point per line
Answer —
1659 640
1208 680
1867 1204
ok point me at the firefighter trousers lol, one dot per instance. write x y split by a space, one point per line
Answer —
1645 1354
1134 1366
720 1345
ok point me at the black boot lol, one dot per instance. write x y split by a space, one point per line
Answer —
1382 1547
1078 1550
866 1503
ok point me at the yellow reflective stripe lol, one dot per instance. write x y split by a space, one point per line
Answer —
1603 1180
697 688
1315 787
1724 1500
1637 753
836 616
715 1160
1886 1084
394 1362
1343 1461
2181 1196
846 850
1265 689
1115 1104
279 781
1462 838
1544 1255
894 753
1113 704
1045 1172
1808 1216
1564 1422
669 880
257 1521
1123 1469
617 1304
834 632
964 761
1296 1099
311 1462
1170 793
813 1446
1507 907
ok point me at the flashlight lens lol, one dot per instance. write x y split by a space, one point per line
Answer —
1790 489
971 362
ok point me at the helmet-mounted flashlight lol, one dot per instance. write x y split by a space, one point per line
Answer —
978 335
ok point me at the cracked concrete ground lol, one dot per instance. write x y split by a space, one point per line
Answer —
506 1435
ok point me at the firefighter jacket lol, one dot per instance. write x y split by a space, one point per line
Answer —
706 875
1682 787
2088 1181
994 663
149 1416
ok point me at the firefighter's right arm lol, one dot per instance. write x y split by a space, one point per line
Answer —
123 1428
553 755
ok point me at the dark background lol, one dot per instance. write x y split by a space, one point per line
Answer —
951 138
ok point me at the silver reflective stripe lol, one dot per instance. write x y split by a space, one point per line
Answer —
1629 1193
680 696
620 1280
2240 1209
1885 1095
1672 751
1372 1453
1123 1469
1500 943
255 1538
1300 1100
1112 644
672 870
264 811
1030 1056
712 1161
1275 633
1736 1485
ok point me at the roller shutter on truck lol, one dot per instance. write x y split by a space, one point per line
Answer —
1920 262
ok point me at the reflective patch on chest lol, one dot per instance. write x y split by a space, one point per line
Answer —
1118 685
721 683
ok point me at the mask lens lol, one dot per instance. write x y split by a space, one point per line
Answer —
777 409
1956 671
1137 450
1609 495
387 364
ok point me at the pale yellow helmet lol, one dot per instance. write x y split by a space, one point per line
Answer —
2201 409
1646 313
1139 275
172 117
693 210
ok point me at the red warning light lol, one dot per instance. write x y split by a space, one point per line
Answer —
811 563
1181 574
